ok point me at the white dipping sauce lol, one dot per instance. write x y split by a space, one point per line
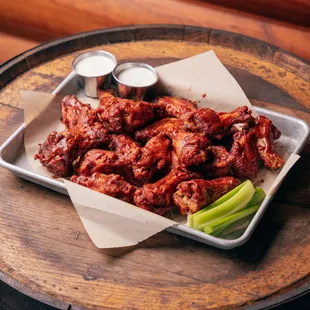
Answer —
138 77
93 66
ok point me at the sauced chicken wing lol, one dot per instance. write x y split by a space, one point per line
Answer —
165 126
89 137
218 163
97 160
265 134
239 115
206 121
127 150
77 114
193 195
124 115
57 153
176 107
157 197
137 165
59 150
113 185
155 156
245 155
190 148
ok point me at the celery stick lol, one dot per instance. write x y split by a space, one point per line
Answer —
218 226
257 198
236 203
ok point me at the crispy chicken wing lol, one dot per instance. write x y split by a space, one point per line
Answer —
239 115
57 153
155 156
245 155
190 148
59 150
165 126
90 137
76 113
123 115
219 162
97 160
157 197
193 195
265 133
127 150
206 121
176 107
113 185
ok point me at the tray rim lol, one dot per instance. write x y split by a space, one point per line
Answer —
179 229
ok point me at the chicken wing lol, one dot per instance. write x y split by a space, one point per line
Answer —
127 150
239 115
124 115
90 137
193 195
57 153
190 148
59 150
206 121
165 126
157 197
245 155
97 160
176 107
76 113
155 156
218 163
265 133
113 185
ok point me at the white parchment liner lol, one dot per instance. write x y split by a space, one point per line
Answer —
109 221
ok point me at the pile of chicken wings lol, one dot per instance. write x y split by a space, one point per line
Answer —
159 154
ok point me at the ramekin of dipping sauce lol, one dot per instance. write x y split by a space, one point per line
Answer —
94 70
134 79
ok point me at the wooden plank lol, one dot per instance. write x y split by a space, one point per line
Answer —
242 43
154 32
196 34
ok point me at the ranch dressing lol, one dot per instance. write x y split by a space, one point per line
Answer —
138 77
94 66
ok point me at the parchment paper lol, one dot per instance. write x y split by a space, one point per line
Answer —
111 222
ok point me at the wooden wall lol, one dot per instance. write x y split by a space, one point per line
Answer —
292 11
39 21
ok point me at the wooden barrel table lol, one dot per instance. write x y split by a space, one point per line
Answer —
45 252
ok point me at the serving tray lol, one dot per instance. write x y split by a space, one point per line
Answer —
13 157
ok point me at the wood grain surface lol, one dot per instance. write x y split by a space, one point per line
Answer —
44 20
41 255
296 11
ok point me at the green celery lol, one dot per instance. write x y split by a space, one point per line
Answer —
257 198
234 204
216 227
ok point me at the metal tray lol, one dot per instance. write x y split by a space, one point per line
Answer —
13 157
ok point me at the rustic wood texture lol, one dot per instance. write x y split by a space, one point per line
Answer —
12 45
41 256
295 11
44 20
